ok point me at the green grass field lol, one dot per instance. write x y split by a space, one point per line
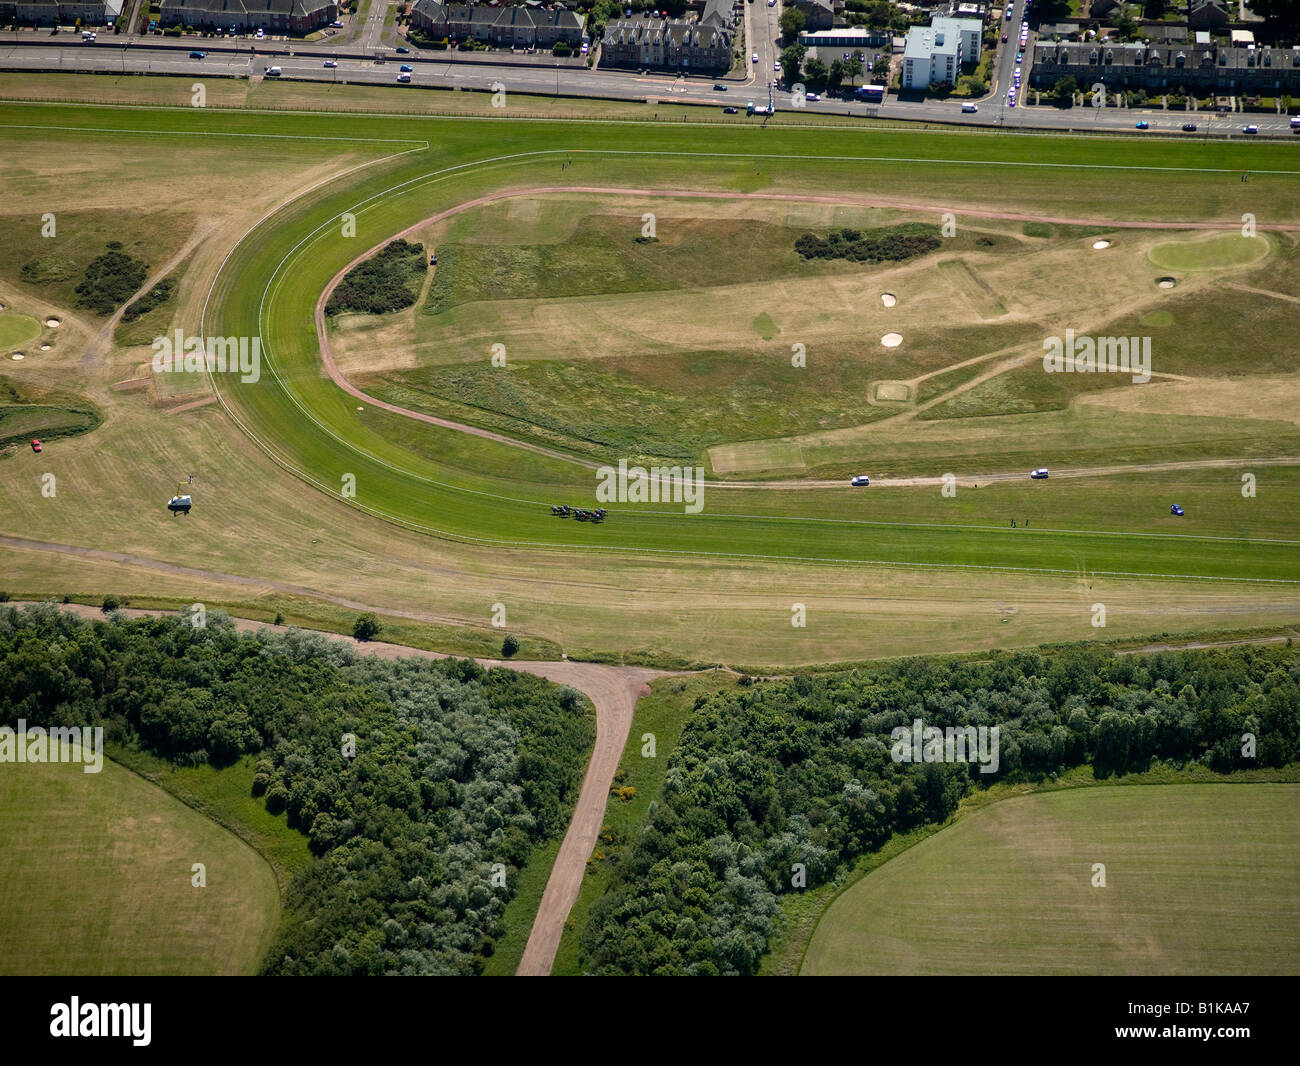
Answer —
96 880
17 329
447 525
1200 879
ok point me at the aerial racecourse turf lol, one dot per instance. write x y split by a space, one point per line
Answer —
270 284
474 489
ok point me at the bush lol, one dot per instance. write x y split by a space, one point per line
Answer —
387 281
109 281
110 603
4 597
155 297
279 619
892 243
366 627
509 646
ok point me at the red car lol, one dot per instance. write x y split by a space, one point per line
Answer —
36 445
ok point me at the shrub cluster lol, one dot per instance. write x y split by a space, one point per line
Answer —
110 280
893 243
387 281
155 297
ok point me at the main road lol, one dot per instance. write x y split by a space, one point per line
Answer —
443 70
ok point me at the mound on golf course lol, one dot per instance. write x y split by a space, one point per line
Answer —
1199 879
97 879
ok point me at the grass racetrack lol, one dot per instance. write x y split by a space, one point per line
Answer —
1200 879
443 525
96 880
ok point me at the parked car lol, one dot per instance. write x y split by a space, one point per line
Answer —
337 24
731 111
1189 127
433 259
1143 125
36 445
585 48
260 34
1176 511
812 96
860 480
1004 38
1039 474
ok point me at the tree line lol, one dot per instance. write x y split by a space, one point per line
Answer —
422 786
800 772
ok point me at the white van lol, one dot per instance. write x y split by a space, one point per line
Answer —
969 109
273 72
403 77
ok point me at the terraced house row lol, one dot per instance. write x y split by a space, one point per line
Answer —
273 16
525 26
701 43
1224 70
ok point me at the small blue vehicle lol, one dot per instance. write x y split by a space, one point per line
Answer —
1176 510
406 68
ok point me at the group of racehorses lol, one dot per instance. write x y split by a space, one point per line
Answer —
565 511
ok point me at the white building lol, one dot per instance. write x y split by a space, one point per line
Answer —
935 53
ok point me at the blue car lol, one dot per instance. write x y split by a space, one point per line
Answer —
406 68
1176 510
1144 125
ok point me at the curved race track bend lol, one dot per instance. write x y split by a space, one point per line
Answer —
613 690
970 481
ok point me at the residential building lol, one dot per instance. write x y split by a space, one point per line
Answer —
1215 70
1207 14
273 16
931 57
525 26
665 43
60 12
817 14
934 54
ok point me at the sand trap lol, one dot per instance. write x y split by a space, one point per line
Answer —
1097 246
1167 283
2 306
892 340
888 299
46 347
16 355
53 323
360 408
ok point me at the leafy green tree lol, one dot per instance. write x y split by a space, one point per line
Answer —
816 72
792 63
792 21
509 646
367 626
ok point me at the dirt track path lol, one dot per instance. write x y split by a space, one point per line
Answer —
336 375
613 690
